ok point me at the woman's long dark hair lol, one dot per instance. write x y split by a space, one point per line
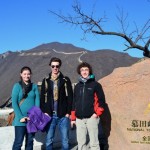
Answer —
25 88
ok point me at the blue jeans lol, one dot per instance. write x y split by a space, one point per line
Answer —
20 132
63 124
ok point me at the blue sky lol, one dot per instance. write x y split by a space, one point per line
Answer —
25 24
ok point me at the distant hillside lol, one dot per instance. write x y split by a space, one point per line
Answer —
103 62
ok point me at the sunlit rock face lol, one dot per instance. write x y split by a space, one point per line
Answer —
127 94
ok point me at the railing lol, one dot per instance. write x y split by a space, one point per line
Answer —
8 103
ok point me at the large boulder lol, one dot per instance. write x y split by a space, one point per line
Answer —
126 121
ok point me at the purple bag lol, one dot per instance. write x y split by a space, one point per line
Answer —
38 120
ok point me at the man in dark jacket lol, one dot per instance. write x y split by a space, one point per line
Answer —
87 107
56 101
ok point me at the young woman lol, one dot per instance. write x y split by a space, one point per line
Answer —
25 95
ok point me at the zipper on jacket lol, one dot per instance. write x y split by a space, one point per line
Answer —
83 97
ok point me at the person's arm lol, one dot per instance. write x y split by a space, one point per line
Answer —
15 101
42 96
73 113
37 96
69 96
99 100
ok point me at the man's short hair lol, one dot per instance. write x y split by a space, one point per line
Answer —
84 64
55 59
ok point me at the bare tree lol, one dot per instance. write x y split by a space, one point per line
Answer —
95 26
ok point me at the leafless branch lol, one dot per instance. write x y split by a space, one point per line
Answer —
89 24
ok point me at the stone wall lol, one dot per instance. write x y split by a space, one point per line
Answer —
7 138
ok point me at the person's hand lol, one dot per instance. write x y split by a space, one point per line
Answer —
67 115
47 114
24 119
94 115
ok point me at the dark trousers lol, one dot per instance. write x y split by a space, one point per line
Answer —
20 133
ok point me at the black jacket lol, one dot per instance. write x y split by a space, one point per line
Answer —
83 103
64 101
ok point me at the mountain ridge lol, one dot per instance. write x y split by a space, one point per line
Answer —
102 61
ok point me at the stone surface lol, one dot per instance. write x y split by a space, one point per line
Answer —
126 120
7 137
